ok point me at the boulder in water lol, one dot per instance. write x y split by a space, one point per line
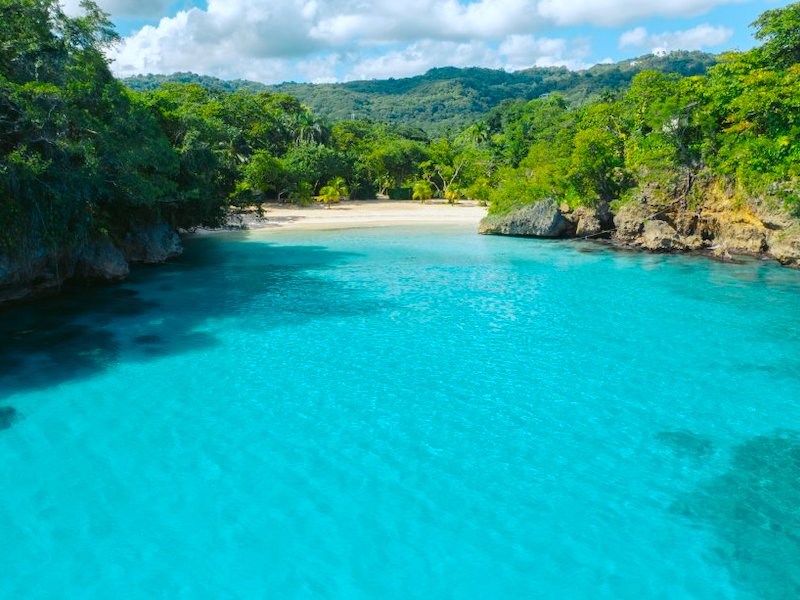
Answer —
542 220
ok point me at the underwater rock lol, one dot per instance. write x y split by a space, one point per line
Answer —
8 416
754 510
686 443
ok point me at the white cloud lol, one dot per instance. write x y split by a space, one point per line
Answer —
524 51
421 56
513 53
697 38
143 9
324 39
635 37
610 13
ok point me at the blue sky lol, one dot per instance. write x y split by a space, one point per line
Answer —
335 40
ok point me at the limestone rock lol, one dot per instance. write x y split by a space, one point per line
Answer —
151 244
592 221
100 259
629 222
694 242
742 235
543 220
785 247
34 271
660 236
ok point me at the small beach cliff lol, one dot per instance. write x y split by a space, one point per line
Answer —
38 268
713 221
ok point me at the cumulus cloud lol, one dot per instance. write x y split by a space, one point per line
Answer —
333 39
697 38
611 13
525 51
142 9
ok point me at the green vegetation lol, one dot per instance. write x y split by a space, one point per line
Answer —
445 100
736 127
81 156
70 154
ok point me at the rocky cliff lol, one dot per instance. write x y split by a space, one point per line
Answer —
717 224
35 269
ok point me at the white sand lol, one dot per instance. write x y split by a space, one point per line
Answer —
366 213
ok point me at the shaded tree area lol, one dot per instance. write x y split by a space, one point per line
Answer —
71 158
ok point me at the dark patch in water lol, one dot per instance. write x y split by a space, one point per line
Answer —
186 342
8 416
686 443
754 509
87 329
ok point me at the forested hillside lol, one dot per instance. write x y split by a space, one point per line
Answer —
447 99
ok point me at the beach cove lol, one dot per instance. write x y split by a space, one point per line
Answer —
404 411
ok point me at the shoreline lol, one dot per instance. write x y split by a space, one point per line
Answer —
352 213
357 214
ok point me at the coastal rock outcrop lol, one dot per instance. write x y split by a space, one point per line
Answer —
542 219
629 222
660 236
705 218
100 259
784 245
592 221
151 244
34 272
34 269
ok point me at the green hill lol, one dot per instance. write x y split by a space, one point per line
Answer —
446 99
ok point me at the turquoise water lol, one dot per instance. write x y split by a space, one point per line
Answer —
405 413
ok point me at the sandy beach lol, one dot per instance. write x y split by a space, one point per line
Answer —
362 213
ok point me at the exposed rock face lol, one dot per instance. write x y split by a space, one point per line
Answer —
629 222
660 236
591 222
741 235
100 259
542 220
710 219
151 244
36 270
785 247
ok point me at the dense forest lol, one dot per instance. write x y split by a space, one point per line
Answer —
445 100
85 160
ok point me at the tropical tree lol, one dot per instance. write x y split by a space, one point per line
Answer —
422 191
779 29
334 191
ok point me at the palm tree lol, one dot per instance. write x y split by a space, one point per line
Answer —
422 191
334 191
307 128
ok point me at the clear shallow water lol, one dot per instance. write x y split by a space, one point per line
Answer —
405 413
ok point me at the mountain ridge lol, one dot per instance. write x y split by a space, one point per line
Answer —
445 99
